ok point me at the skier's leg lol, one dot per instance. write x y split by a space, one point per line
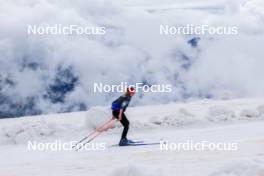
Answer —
125 123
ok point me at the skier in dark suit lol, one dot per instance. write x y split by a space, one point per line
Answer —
118 108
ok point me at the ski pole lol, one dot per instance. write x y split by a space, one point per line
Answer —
99 132
96 130
92 133
89 140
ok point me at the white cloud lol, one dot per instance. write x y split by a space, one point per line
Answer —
132 49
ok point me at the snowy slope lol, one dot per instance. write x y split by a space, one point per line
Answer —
239 121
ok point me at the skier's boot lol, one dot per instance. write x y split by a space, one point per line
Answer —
123 142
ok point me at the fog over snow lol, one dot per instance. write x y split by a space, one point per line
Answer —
55 73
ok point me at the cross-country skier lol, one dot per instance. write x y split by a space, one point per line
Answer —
119 107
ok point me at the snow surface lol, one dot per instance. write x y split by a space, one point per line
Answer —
214 121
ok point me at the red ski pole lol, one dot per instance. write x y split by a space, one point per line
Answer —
96 130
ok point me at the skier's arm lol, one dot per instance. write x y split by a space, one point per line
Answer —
123 108
120 114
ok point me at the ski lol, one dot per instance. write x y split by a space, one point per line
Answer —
140 144
136 144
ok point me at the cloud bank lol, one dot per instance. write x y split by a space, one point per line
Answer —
47 74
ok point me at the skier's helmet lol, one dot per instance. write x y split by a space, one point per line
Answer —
131 91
